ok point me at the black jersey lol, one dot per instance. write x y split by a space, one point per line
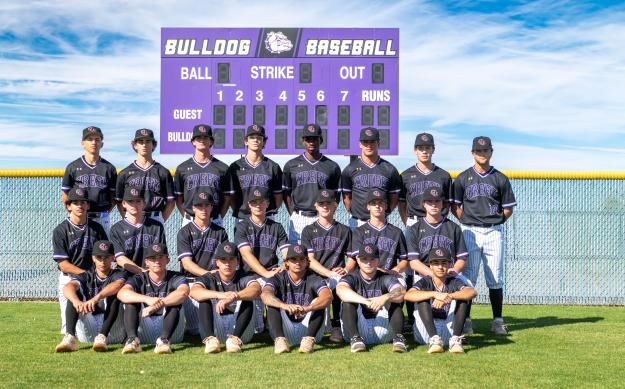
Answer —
98 180
379 285
263 239
414 184
330 245
483 196
90 284
451 285
74 243
244 177
422 237
143 284
211 177
358 178
132 240
156 181
213 281
199 244
303 178
300 293
389 239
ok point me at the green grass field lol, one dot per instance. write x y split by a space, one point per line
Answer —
548 346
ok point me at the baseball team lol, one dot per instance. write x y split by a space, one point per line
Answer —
353 281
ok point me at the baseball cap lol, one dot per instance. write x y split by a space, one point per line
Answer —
369 251
424 139
92 130
202 198
376 194
144 133
133 193
102 248
202 130
325 195
226 250
156 249
296 251
312 130
481 143
369 133
257 194
256 129
432 194
77 194
438 254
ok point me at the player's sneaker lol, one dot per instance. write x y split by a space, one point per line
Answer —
233 344
281 345
307 345
455 345
468 327
162 346
132 346
436 345
336 336
498 327
399 344
99 343
68 344
211 345
357 344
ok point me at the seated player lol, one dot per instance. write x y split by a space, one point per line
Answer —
94 307
372 312
328 243
296 301
226 308
152 303
442 303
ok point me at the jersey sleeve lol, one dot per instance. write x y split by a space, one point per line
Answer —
319 285
346 179
135 282
118 243
183 244
59 245
461 248
207 281
402 187
273 283
455 285
390 282
394 184
412 245
348 280
276 182
422 284
507 195
68 179
286 178
348 243
119 186
458 190
82 278
305 239
283 240
356 242
117 276
161 238
112 180
240 237
177 281
169 185
223 236
230 176
447 187
224 182
402 251
178 183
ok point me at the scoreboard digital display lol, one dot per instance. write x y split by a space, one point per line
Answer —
343 79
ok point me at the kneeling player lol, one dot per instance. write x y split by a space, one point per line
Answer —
296 303
94 307
226 302
157 295
371 303
442 305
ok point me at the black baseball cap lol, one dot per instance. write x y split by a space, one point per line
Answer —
156 249
133 193
144 133
202 198
312 130
92 130
369 133
77 194
438 254
256 129
376 194
226 250
432 194
257 194
369 251
103 248
296 251
325 196
202 130
481 143
424 139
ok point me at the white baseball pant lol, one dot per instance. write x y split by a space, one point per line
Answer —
295 331
297 223
444 328
373 331
150 328
89 326
485 244
223 325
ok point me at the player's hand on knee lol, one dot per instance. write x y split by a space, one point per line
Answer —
78 306
339 271
291 309
151 301
221 306
377 303
90 305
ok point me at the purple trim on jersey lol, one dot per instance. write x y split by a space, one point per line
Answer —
322 287
199 164
509 205
147 168
326 229
258 225
87 164
462 255
344 283
66 188
187 254
59 257
414 254
345 190
242 244
283 246
252 165
376 228
80 227
312 162
178 193
198 227
250 281
133 225
424 173
485 174
434 226
370 166
293 282
269 285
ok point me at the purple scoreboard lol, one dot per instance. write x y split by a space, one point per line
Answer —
343 79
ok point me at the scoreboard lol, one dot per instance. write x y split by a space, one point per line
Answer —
343 79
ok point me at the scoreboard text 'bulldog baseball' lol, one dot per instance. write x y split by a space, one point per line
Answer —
343 79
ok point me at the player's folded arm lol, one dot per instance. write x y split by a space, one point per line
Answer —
127 295
348 295
190 266
465 293
178 296
417 295
396 294
269 298
250 292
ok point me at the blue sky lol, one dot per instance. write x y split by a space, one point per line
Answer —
544 79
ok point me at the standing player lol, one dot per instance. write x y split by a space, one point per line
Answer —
153 300
93 296
132 235
154 179
442 305
296 302
202 172
96 175
483 201
303 177
419 178
254 171
72 242
371 304
328 243
368 171
226 302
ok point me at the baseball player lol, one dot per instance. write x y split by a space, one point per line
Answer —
482 201
154 179
132 235
226 302
420 177
368 171
254 171
372 300
152 303
72 242
197 242
94 306
442 305
296 301
304 176
202 172
328 243
96 175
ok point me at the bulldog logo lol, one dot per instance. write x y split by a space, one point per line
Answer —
277 42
